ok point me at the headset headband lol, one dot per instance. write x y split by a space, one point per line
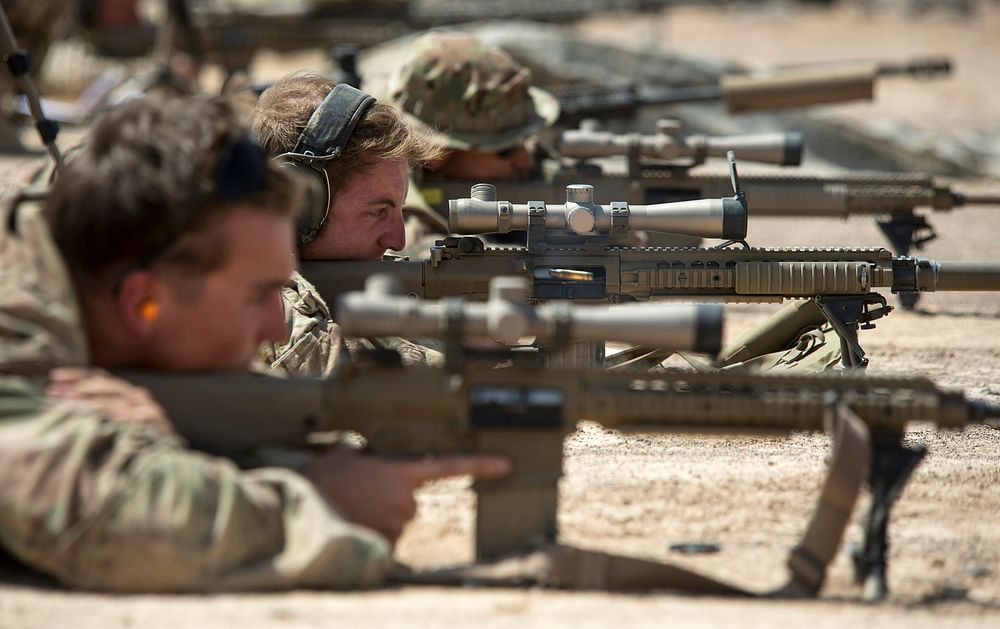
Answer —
331 125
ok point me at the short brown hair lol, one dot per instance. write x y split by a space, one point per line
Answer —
382 134
152 176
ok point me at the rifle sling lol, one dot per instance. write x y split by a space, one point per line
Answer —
848 472
571 568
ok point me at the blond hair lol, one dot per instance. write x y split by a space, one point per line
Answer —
284 110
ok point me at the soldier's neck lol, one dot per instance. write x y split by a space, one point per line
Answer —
110 343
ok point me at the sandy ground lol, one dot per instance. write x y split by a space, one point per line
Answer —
638 494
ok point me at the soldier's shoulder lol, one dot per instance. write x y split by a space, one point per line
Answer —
302 298
40 322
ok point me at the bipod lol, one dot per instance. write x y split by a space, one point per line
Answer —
892 464
849 313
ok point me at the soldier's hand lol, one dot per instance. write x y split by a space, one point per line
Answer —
111 397
377 492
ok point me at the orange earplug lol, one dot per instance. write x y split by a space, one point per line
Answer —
149 310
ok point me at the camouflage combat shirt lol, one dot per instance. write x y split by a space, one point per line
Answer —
315 343
116 506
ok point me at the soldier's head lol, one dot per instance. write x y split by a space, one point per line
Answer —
477 102
178 233
358 154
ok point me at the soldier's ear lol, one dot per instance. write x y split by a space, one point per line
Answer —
138 301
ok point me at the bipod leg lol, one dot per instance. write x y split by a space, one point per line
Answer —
892 464
905 232
844 313
908 299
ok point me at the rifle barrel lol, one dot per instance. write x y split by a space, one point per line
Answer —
976 198
968 276
923 68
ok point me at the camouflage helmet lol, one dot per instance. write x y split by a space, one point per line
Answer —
469 95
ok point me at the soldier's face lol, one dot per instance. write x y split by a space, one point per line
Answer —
219 322
488 166
366 216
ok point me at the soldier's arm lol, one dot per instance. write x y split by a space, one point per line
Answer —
314 344
111 506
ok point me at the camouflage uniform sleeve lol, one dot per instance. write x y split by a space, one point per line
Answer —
314 344
411 353
40 322
109 506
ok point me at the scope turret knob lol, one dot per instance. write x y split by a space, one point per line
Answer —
484 192
668 126
580 193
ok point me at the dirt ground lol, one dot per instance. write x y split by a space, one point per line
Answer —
638 494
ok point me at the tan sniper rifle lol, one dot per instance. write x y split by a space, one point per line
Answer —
574 252
657 166
524 412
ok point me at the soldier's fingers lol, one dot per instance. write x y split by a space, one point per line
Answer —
478 466
63 375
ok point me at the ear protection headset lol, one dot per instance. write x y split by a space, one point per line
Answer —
324 138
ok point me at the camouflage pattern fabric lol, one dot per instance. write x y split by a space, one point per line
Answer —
812 352
816 350
230 8
40 324
122 505
315 344
468 95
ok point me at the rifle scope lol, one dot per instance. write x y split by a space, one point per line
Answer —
708 218
784 149
507 317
